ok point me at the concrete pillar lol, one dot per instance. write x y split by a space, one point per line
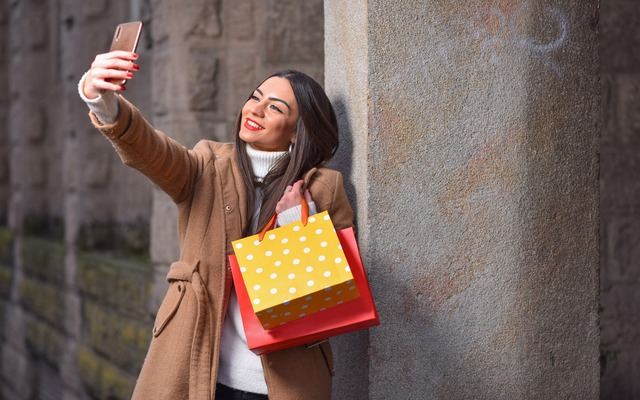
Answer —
471 151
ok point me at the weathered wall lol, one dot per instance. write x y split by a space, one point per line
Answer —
475 131
81 275
620 205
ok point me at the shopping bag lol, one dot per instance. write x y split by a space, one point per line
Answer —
350 316
295 270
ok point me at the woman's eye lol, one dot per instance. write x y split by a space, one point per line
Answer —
254 97
274 107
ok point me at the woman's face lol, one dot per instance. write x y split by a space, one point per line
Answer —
269 116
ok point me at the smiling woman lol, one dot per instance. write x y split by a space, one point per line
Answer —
285 133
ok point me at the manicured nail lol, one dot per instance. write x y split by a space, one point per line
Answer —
134 55
136 67
122 87
129 75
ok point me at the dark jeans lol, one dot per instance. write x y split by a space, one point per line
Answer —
226 393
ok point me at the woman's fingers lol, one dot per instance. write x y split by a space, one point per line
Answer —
108 71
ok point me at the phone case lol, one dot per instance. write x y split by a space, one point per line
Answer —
126 38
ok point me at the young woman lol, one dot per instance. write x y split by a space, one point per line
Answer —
285 133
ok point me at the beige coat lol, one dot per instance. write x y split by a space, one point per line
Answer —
206 184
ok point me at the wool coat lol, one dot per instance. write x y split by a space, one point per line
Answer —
206 184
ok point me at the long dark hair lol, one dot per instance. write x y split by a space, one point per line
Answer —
316 142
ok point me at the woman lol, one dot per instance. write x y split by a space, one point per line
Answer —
285 133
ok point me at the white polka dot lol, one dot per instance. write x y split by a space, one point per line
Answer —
304 307
269 253
327 299
328 288
309 269
302 315
273 276
274 316
259 270
303 238
273 291
269 311
296 228
310 283
326 217
277 263
339 292
327 274
287 314
340 246
308 298
349 281
340 302
292 290
347 268
351 287
272 236
243 269
292 276
323 244
256 243
318 231
256 301
338 260
306 250
286 302
286 251
284 241
256 287
238 245
265 325
312 219
296 261
249 257
322 258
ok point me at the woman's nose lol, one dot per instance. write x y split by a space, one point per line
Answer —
256 108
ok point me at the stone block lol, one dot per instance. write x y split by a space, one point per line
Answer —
301 39
6 246
6 275
45 341
43 300
102 379
619 35
619 179
123 340
622 250
202 70
203 19
43 259
123 284
627 104
17 373
619 379
242 20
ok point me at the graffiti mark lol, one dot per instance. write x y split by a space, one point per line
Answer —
501 29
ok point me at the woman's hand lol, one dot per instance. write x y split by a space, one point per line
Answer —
293 197
107 70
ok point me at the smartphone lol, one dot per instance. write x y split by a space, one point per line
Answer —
126 37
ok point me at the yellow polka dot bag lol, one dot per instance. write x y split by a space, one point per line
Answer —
300 283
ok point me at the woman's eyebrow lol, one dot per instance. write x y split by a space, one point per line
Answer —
275 99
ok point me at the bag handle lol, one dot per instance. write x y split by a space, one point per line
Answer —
272 222
304 211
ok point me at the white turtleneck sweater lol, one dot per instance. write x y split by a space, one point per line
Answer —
239 367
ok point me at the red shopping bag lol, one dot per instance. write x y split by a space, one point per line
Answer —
347 317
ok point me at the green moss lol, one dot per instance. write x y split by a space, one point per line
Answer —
43 300
120 339
6 246
44 340
124 284
101 378
43 259
5 281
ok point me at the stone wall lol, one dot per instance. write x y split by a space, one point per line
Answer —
620 203
85 242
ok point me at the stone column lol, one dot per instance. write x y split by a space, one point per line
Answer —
471 134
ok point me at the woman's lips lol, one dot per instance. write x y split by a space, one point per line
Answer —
252 125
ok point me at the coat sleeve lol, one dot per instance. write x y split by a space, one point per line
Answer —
327 190
162 159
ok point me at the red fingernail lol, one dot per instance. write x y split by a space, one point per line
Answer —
136 67
123 87
134 55
129 75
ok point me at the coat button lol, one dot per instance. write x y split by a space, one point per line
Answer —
228 208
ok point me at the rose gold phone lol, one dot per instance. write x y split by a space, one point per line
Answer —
126 38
